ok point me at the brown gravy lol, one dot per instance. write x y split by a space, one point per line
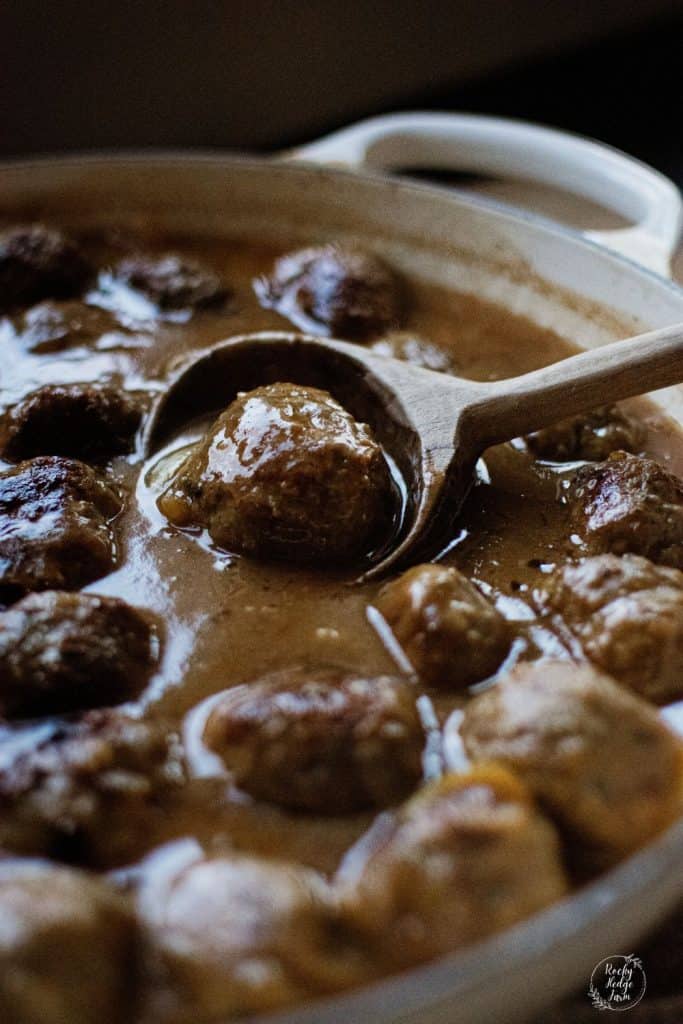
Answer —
227 619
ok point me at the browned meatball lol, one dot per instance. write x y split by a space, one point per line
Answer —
627 615
82 420
172 282
628 503
287 473
90 791
451 635
325 741
411 348
55 326
67 948
333 290
55 531
238 935
599 759
37 262
593 436
466 857
66 652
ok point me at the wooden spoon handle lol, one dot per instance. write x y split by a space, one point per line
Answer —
578 384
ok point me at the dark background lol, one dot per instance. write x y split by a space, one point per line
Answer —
259 74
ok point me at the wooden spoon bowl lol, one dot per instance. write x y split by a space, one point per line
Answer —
433 425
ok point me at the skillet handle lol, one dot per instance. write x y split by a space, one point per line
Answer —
518 149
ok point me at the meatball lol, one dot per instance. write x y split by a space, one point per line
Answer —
593 437
451 635
37 262
172 282
630 504
67 947
238 935
325 741
67 652
466 857
627 616
333 290
286 473
90 791
82 420
416 350
600 760
54 326
55 526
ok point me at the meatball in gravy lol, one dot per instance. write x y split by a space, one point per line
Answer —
411 348
467 856
236 935
287 473
592 437
39 262
628 504
67 947
627 616
171 282
325 741
55 526
52 327
451 635
599 759
334 290
87 421
92 790
67 652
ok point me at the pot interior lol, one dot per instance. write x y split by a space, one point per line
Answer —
531 268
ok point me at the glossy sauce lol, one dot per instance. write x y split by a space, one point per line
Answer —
227 619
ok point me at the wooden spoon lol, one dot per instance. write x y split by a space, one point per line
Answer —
434 426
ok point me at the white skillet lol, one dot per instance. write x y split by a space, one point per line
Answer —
533 267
